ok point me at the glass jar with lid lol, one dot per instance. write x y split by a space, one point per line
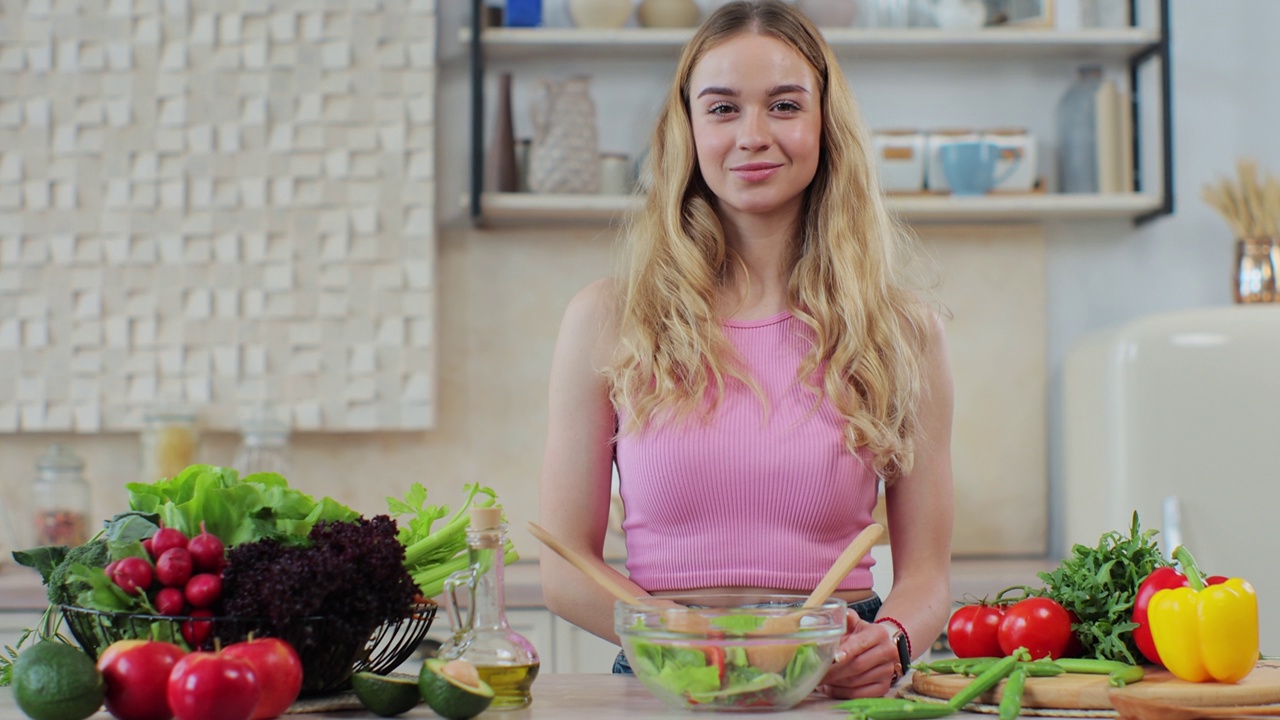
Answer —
60 499
264 447
170 439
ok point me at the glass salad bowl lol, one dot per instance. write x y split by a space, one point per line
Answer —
730 651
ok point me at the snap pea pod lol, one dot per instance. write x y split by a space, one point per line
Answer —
1120 674
952 665
1011 698
1043 668
987 679
915 710
876 703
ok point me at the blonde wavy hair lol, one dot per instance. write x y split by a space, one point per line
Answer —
846 281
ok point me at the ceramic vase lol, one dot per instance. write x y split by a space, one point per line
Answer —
829 13
668 13
565 154
501 172
605 14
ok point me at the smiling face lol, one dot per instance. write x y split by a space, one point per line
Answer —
757 124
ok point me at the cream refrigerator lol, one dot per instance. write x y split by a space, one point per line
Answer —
1177 416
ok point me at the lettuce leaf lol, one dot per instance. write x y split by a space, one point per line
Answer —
237 510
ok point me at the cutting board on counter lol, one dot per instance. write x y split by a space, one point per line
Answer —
1089 692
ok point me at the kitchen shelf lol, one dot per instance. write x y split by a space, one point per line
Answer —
1134 46
998 43
507 208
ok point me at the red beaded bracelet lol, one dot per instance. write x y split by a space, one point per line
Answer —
902 628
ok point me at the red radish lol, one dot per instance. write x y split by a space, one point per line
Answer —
110 569
173 568
133 575
167 539
203 590
206 551
197 630
170 601
146 545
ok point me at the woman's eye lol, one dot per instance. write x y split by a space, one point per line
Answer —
720 109
786 106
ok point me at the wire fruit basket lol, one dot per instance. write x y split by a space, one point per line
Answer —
326 665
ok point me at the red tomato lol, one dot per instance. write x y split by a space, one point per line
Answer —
1039 624
279 671
715 657
972 631
136 673
208 686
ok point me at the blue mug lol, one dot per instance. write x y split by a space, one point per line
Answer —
970 167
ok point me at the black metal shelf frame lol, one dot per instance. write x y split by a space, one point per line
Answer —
1157 51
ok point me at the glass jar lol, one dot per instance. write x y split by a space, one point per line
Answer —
504 658
264 448
169 443
60 499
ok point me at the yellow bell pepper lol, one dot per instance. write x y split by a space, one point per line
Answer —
1206 633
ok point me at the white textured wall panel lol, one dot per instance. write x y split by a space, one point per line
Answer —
218 204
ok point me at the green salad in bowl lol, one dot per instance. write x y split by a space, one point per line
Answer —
730 651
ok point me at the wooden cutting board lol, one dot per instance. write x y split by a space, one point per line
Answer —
1089 692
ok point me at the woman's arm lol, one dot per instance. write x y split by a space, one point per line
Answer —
920 509
577 463
919 506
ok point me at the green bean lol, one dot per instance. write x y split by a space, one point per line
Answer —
1120 673
1011 699
986 680
977 668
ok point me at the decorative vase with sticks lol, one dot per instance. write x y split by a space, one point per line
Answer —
1251 207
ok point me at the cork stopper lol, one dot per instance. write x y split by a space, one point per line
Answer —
486 518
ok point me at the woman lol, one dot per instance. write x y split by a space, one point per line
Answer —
760 365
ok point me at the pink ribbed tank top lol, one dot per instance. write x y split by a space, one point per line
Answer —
747 499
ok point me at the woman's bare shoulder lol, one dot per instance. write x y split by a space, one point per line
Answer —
591 318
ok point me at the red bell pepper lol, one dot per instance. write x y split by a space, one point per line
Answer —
1165 578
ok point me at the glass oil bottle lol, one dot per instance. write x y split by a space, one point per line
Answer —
505 659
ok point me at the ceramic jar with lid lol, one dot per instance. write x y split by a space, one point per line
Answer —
1016 146
668 13
900 157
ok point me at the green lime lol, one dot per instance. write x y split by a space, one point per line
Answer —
55 681
449 697
386 696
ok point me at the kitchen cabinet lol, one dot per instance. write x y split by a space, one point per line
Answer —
618 54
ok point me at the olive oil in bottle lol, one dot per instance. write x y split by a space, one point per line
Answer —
504 658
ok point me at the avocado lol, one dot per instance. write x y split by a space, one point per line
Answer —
449 697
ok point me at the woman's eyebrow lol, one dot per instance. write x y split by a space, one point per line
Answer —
774 91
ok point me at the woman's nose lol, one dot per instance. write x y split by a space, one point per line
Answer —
753 132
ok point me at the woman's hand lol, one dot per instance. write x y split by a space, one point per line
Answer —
865 663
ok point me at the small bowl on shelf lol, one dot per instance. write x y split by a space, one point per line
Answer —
326 666
730 651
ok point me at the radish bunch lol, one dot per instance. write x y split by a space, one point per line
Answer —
182 578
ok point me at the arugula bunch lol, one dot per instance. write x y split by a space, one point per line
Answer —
431 556
1099 585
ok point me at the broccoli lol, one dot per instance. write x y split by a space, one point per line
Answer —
63 591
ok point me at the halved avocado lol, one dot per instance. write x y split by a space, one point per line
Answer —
449 697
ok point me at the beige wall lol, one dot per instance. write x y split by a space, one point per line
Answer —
501 296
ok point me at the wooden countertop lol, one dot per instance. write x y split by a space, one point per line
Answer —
562 697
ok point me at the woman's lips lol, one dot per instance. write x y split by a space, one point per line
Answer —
755 172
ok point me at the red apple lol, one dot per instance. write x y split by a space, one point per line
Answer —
279 671
137 675
210 686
